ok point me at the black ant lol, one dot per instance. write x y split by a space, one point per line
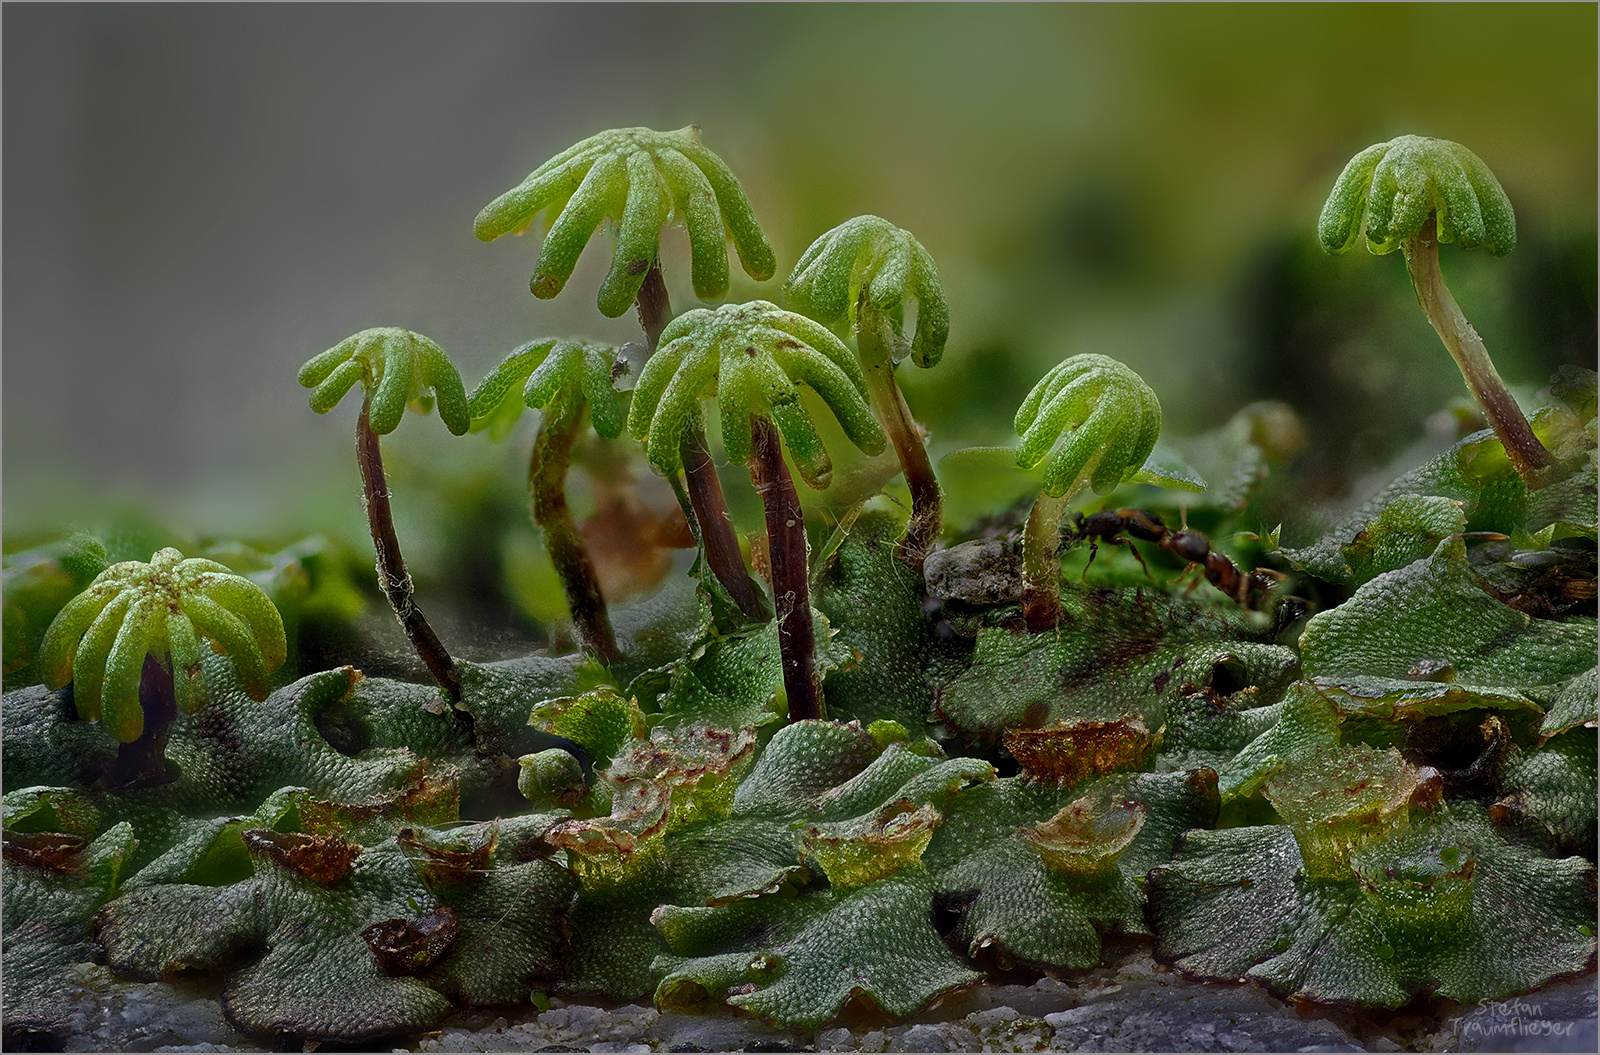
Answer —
1249 590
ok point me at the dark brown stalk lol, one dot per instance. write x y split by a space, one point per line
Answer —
890 404
547 477
143 763
716 527
392 575
700 473
655 307
786 542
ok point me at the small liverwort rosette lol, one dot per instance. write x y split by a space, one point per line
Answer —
164 608
1106 419
1392 188
642 180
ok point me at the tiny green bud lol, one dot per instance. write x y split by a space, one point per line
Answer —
885 732
550 777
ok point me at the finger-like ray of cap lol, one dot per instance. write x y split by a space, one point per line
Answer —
188 676
755 253
887 285
805 446
676 409
120 709
653 380
644 211
327 395
738 396
319 367
233 638
933 313
1075 461
1402 198
1059 408
605 412
553 374
89 662
551 182
66 630
440 374
396 380
245 599
822 340
1118 421
696 205
508 376
1339 226
1028 412
1499 219
576 225
822 285
838 391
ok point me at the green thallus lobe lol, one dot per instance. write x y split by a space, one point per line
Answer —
1410 194
395 368
860 275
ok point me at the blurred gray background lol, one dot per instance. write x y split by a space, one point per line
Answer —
197 198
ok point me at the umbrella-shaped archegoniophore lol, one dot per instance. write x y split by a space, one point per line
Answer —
751 356
1107 420
861 276
564 379
1410 194
396 368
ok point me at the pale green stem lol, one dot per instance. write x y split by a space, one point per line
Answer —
1041 569
1528 456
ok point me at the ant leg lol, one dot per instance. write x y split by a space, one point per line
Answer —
1184 574
1140 558
1094 550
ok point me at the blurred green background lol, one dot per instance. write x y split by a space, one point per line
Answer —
199 197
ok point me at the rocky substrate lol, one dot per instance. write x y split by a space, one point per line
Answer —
1132 1006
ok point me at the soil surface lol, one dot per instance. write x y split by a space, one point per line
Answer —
1132 1005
